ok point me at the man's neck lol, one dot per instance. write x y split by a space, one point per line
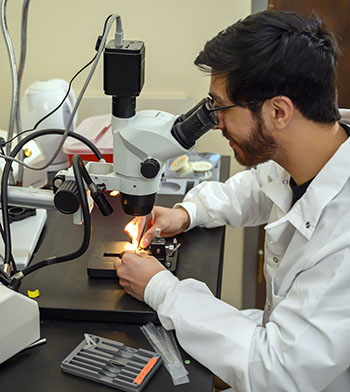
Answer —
307 147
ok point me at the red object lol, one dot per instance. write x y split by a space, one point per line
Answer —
149 365
92 157
99 131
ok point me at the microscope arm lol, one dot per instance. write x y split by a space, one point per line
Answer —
31 197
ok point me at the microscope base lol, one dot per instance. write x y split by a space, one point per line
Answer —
19 322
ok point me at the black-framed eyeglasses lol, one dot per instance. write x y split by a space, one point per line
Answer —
211 108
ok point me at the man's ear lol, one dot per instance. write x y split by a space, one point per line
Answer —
280 110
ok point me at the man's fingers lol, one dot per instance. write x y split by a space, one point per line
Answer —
148 237
117 263
145 241
123 283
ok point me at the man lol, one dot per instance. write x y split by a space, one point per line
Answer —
273 89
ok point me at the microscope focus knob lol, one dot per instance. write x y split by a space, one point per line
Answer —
150 168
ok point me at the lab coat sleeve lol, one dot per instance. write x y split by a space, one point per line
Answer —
303 347
211 331
238 202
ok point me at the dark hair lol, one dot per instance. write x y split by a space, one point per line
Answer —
277 53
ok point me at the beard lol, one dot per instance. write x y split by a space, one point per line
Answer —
259 147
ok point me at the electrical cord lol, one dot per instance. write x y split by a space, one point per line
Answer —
76 163
5 175
13 66
12 260
105 24
20 70
15 117
24 25
96 192
4 281
4 278
85 173
16 76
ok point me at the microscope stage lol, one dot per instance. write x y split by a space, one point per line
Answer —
101 263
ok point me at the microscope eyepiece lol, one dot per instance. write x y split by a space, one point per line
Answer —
189 127
137 205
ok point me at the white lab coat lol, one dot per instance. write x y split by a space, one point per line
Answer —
302 342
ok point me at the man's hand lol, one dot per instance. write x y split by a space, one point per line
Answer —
171 221
135 271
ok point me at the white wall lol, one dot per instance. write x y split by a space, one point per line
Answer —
61 39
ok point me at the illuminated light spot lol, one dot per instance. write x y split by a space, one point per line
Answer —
132 229
28 152
131 246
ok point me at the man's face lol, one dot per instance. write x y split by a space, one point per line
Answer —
247 134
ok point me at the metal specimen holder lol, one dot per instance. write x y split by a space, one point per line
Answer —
166 252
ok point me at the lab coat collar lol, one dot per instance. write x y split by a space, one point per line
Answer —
306 212
279 191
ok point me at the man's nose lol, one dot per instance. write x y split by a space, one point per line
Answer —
220 124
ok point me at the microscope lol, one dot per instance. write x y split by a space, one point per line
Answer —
142 143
